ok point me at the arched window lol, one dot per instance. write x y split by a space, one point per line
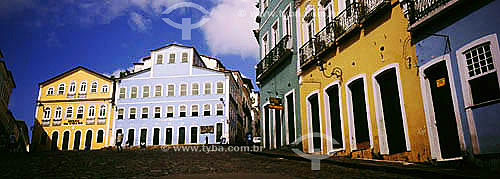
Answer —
79 112
46 113
102 111
83 87
91 111
100 136
69 112
61 89
93 87
105 89
58 113
72 87
50 91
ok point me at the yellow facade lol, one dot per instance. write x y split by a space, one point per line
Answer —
377 43
83 111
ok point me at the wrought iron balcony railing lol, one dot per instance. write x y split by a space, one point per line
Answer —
347 19
371 6
418 9
279 52
325 38
307 53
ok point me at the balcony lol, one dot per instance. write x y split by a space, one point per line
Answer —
306 53
371 7
46 122
325 39
421 10
101 121
82 95
57 122
347 20
281 51
90 121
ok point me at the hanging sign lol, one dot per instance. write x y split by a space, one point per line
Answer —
441 82
279 107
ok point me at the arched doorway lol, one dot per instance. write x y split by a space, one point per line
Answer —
55 137
88 140
76 141
65 144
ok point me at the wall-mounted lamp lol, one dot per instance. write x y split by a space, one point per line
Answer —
336 72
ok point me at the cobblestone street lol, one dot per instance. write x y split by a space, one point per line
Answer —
153 164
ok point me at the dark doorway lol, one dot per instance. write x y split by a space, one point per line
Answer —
219 132
277 118
266 127
357 89
88 140
55 138
335 121
168 137
182 135
144 135
194 135
313 101
65 144
131 137
444 113
76 140
156 136
290 106
391 107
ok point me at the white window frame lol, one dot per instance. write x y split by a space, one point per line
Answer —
92 87
50 91
197 110
68 112
144 91
287 128
90 113
59 91
82 112
287 20
154 113
142 112
209 109
58 113
102 108
84 86
72 88
161 90
217 87
275 33
130 112
118 113
185 110
170 57
124 93
265 44
105 88
173 111
309 121
186 93
205 88
159 61
168 90
217 109
192 89
132 92
182 57
46 113
350 115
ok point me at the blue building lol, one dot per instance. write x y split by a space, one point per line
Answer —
459 62
175 96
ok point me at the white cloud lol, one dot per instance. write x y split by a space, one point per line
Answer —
139 23
229 30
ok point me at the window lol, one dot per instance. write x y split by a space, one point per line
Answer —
105 89
275 34
183 89
69 112
145 91
220 109
132 113
93 87
50 91
264 4
121 113
170 111
265 45
91 112
79 112
133 92
220 88
286 22
159 59
61 89
157 112
100 136
171 90
194 110
195 89
182 111
72 87
145 112
122 93
158 90
83 87
58 113
208 88
46 113
478 70
171 60
206 110
102 111
184 57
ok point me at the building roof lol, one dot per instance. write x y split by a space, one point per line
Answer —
216 59
9 73
133 73
72 71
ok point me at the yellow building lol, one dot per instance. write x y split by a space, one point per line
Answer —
74 111
358 81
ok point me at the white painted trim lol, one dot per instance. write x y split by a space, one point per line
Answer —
165 136
328 119
180 88
140 133
142 112
283 29
186 110
429 109
287 129
149 91
379 111
185 136
264 124
170 77
128 114
128 133
309 121
273 42
191 91
81 141
197 134
350 116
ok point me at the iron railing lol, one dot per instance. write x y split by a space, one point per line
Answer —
307 53
370 6
419 9
325 38
281 50
347 19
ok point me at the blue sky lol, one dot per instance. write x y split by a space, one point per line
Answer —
42 40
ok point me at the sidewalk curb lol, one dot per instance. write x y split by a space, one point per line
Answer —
376 167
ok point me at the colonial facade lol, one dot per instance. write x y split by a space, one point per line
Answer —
358 81
74 111
176 96
277 73
458 59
